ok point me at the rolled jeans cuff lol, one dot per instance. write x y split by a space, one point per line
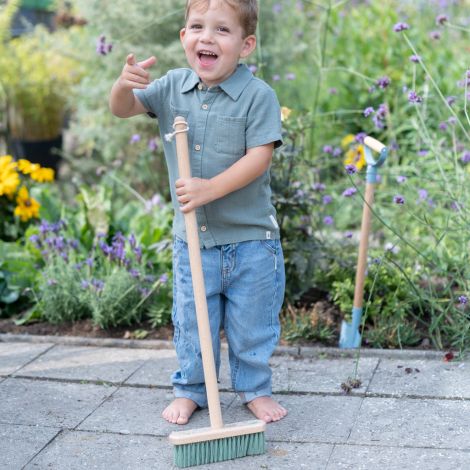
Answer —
199 398
246 397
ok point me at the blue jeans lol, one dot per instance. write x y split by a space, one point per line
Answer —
245 289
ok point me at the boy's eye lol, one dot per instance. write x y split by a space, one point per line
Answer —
195 26
223 29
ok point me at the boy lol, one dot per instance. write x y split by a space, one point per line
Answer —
234 125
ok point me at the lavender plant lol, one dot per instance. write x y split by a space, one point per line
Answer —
111 283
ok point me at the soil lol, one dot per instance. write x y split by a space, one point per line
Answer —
86 329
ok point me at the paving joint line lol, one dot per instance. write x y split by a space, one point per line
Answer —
229 390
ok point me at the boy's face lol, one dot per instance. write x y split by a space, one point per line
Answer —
213 41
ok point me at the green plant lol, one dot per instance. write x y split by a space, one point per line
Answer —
37 72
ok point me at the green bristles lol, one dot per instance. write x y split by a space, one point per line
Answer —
218 450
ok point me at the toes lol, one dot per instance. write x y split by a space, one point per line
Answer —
182 419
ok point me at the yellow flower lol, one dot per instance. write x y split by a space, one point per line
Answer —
355 156
285 113
27 207
9 178
347 140
26 167
42 175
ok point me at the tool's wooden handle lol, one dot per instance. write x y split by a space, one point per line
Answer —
363 245
374 144
199 290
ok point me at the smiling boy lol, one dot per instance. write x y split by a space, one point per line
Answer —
234 125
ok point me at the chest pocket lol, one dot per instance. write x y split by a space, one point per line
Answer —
230 136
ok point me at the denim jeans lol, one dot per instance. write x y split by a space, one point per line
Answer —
245 289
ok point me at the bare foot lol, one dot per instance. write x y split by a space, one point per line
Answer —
267 409
179 410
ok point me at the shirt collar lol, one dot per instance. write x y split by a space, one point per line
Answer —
233 86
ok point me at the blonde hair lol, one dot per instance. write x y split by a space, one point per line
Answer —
247 11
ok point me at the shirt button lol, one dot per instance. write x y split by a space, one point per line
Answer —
204 106
199 87
197 147
203 228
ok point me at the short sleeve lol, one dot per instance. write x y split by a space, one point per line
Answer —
152 97
264 119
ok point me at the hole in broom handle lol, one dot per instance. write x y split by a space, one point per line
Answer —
199 290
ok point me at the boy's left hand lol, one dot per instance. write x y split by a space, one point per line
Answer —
193 193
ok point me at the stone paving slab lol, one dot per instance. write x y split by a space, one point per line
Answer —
310 418
19 444
422 378
89 363
47 403
346 457
319 375
13 356
75 450
414 423
138 411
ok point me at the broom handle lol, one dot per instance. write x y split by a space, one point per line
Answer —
199 290
363 245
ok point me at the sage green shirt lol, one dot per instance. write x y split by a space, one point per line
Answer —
224 121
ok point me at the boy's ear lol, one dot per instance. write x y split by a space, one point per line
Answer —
182 33
248 46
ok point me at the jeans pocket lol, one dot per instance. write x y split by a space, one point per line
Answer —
270 245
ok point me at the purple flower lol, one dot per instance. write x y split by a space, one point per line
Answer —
401 179
441 19
52 282
89 262
74 244
333 91
277 8
351 169
465 158
318 187
35 240
348 192
327 149
152 145
463 299
97 284
276 78
368 111
138 253
360 137
252 68
84 284
328 220
422 194
401 27
451 100
337 152
436 35
132 241
44 227
105 248
348 234
290 76
413 97
415 58
78 266
163 279
135 138
102 47
423 152
443 126
383 82
134 273
327 199
398 199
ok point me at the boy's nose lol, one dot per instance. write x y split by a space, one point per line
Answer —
207 36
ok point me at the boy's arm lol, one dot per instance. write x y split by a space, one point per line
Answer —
122 101
195 192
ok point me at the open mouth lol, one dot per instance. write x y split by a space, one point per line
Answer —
207 57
